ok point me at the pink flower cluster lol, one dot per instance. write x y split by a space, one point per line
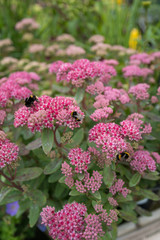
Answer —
156 156
12 87
27 23
82 70
68 223
109 139
80 160
136 71
93 230
101 113
143 58
8 151
112 201
2 116
142 161
140 91
118 187
47 111
104 216
88 183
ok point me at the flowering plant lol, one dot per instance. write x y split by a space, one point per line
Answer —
80 156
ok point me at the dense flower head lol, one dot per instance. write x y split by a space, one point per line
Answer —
12 208
93 230
156 156
158 91
130 130
36 48
8 152
140 91
73 50
80 159
66 169
136 71
118 187
47 110
154 99
27 23
156 55
101 101
82 70
107 218
96 88
2 116
96 38
112 201
113 62
143 58
142 161
65 38
53 68
68 223
101 113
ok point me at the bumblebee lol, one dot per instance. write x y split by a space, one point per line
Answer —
76 116
30 100
123 156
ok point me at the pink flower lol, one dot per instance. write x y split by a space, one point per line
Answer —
2 116
118 187
26 23
66 169
68 223
47 215
130 130
140 91
101 101
80 159
43 113
158 91
108 218
93 230
144 58
111 62
69 181
112 201
142 161
154 99
101 113
8 153
96 88
54 67
156 156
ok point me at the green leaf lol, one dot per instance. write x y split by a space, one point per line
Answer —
60 89
10 196
53 166
37 197
79 95
34 144
4 192
76 139
74 192
108 176
135 179
62 179
47 140
60 191
26 174
151 176
96 195
55 176
120 198
33 216
149 194
142 211
128 216
23 206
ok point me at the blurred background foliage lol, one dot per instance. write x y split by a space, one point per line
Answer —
112 18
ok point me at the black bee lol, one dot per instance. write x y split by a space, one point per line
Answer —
30 100
76 116
123 156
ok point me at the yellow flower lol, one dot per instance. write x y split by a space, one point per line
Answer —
134 37
119 2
